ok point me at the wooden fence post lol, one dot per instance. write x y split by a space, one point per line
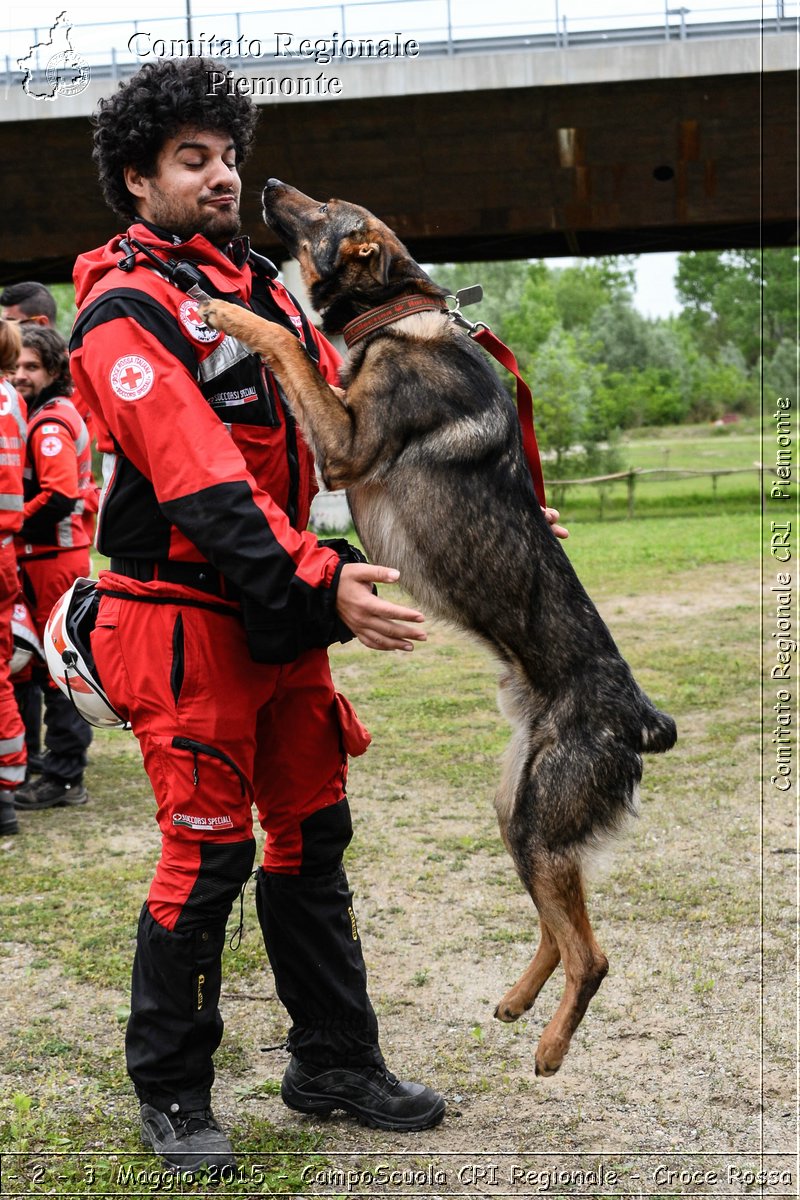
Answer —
631 482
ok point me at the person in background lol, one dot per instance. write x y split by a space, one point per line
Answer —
28 303
53 545
13 433
32 303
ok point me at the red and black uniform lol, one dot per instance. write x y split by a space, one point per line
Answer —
13 433
211 637
53 550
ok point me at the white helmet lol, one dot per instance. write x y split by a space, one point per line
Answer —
69 656
25 638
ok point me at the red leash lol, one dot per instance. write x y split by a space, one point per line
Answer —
499 350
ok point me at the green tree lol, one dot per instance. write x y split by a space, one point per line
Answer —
743 297
781 371
719 387
529 325
502 283
562 389
64 294
580 291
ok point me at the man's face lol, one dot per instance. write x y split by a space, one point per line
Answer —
30 376
196 187
15 313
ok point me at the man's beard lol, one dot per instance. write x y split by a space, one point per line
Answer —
218 225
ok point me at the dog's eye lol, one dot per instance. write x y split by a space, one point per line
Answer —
323 208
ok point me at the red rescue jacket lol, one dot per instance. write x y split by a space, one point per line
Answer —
202 458
58 471
13 434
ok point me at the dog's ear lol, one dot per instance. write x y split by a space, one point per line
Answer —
380 260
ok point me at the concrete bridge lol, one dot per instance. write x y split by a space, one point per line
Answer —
507 150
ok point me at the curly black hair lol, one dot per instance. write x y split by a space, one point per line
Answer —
132 125
53 352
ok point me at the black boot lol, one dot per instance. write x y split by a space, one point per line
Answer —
373 1094
314 949
186 1141
313 944
8 814
175 1025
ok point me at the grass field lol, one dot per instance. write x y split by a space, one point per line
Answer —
689 1044
688 448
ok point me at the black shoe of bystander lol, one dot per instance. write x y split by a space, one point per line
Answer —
8 815
49 792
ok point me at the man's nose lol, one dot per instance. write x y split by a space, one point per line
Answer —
221 175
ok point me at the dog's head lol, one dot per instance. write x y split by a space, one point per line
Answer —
350 261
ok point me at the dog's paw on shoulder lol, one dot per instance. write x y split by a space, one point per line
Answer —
208 313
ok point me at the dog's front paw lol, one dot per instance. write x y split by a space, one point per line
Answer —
263 337
214 313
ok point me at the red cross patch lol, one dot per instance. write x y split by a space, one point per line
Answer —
132 377
191 320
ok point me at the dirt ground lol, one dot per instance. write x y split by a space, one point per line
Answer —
685 1061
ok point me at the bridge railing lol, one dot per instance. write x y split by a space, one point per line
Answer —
273 35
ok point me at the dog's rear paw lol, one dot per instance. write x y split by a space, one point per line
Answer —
549 1056
544 1069
510 1009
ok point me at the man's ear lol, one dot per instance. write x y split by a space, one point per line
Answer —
380 260
134 181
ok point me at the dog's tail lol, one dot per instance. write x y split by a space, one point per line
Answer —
659 731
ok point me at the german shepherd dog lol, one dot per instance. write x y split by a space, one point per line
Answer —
428 445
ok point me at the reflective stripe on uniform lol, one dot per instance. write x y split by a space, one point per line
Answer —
11 775
11 745
65 532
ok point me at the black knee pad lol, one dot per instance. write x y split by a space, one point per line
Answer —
224 867
326 835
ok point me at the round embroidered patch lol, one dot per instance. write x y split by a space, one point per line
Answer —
51 446
192 321
132 377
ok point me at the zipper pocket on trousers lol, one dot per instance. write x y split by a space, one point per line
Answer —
200 748
178 668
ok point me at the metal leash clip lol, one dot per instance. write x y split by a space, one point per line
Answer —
463 298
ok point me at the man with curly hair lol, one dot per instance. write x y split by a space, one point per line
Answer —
214 623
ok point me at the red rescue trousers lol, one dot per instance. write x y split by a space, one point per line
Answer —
12 732
218 734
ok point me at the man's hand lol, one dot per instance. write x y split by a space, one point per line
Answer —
377 623
551 515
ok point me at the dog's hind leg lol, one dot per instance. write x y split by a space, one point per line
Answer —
557 890
522 995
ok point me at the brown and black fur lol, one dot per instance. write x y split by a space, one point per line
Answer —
428 445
